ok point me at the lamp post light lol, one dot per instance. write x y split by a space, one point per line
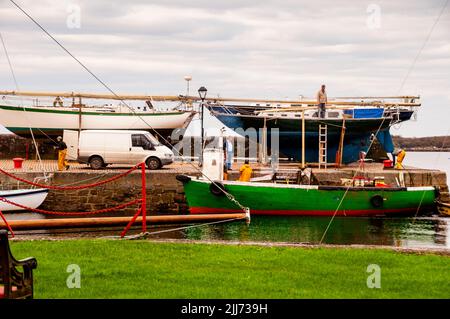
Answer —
187 78
202 93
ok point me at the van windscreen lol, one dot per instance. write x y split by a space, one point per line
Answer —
152 139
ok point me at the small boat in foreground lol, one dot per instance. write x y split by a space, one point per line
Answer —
204 196
443 208
32 198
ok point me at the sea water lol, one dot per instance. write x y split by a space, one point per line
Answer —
430 231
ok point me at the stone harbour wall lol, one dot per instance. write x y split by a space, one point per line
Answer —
165 194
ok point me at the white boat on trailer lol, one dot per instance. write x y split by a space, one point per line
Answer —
50 114
32 198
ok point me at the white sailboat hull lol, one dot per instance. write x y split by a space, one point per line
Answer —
32 198
18 119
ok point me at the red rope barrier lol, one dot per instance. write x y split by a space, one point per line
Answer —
46 212
71 187
142 200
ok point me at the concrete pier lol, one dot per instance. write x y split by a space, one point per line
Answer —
165 193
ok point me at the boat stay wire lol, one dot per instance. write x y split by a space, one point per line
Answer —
228 195
411 67
22 104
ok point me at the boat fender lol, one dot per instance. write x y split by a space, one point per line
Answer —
217 189
183 178
377 201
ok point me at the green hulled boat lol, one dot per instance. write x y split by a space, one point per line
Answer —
308 200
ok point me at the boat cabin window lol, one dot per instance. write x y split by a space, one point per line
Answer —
141 140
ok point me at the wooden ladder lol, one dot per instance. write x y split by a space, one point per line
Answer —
323 145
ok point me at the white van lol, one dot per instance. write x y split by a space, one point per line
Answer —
99 148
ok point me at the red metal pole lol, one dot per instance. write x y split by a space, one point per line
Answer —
6 223
144 200
124 232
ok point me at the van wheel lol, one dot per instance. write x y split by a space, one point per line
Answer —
96 162
153 163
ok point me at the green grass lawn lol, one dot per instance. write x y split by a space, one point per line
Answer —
144 269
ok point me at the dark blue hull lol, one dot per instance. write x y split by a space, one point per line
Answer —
357 135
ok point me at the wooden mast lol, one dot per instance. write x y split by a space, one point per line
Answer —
294 103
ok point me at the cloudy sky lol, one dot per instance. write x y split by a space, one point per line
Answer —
238 48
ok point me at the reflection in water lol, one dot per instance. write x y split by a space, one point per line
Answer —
390 231
422 232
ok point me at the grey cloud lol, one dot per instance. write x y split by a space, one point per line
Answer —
241 48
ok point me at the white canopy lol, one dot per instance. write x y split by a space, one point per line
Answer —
212 127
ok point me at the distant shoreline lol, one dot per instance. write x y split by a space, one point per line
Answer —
446 150
423 144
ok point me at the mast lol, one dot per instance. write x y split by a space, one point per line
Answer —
160 98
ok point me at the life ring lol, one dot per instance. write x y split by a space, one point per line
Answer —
377 201
217 189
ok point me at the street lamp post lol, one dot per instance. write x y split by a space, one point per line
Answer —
187 78
202 93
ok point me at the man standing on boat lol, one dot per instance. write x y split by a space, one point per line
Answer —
62 152
229 152
322 101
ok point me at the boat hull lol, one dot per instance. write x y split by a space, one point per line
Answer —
32 198
301 200
53 121
357 135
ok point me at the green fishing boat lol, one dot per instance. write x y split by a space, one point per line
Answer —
262 198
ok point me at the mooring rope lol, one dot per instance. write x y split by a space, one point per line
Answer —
435 161
349 186
144 235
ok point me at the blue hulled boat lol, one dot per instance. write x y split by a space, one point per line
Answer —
362 121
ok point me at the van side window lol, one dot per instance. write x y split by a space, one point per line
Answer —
139 140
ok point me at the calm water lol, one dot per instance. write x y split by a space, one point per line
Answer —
430 160
431 231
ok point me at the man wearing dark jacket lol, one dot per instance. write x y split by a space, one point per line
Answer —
62 152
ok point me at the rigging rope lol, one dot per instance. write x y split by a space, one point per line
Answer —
111 91
423 46
22 104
